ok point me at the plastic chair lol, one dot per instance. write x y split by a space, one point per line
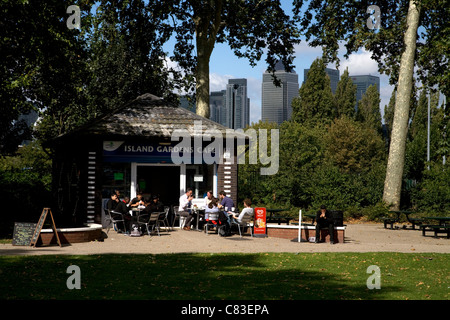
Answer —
114 217
245 222
212 217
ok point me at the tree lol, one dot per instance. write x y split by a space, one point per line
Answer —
389 114
393 49
248 26
369 109
43 65
396 160
301 152
126 54
315 102
353 146
345 96
73 75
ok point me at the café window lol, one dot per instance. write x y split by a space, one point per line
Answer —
116 176
199 177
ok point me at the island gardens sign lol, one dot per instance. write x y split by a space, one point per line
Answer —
209 147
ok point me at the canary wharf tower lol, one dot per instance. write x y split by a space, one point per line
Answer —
276 101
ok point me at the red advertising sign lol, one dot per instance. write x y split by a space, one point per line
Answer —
260 222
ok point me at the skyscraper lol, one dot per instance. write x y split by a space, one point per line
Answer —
332 73
276 101
217 106
237 104
362 83
231 107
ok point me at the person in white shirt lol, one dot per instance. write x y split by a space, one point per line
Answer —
185 208
208 198
247 209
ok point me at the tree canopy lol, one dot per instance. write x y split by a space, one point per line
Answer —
315 101
397 48
250 27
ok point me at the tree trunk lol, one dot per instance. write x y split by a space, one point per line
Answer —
396 160
208 20
202 79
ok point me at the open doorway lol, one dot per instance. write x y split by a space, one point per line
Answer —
161 180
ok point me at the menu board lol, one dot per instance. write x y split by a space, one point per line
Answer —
39 226
23 231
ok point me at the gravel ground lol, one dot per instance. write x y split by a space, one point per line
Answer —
358 238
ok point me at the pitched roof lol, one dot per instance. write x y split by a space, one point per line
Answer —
151 116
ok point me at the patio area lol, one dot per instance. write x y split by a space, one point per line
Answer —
358 238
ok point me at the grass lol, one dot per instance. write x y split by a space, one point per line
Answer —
264 276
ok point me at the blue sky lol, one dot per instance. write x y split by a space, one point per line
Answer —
225 65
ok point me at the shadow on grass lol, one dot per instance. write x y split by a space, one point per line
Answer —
187 276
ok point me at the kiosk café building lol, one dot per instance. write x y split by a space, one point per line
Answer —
147 146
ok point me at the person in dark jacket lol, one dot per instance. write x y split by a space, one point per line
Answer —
115 205
324 219
155 205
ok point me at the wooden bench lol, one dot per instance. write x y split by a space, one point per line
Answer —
309 231
436 229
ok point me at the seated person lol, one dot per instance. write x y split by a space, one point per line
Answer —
211 208
247 210
184 209
324 219
225 202
208 198
138 201
154 205
115 205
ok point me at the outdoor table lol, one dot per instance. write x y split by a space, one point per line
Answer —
197 211
443 226
137 210
442 220
312 216
413 221
391 221
272 211
398 213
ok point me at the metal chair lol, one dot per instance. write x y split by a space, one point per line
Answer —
161 218
114 217
166 217
175 215
209 222
147 220
245 222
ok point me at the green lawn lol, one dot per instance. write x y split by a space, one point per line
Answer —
264 276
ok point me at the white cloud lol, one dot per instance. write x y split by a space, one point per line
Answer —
218 82
303 48
360 63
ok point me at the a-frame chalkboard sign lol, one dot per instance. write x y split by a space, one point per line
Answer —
39 226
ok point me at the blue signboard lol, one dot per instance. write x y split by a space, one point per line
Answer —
153 152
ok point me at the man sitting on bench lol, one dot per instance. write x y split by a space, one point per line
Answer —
324 219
